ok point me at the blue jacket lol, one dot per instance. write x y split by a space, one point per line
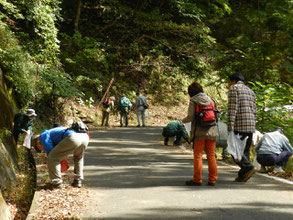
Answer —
50 138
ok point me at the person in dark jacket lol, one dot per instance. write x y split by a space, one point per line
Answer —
175 129
23 123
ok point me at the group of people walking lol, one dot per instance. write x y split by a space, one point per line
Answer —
124 106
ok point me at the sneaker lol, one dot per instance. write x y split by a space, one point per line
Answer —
278 169
248 174
192 183
76 183
262 169
210 184
57 185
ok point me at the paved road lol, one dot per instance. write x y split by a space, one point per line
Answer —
131 175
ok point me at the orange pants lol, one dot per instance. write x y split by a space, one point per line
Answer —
210 146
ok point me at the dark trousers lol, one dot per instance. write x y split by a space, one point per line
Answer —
245 164
124 115
167 134
15 135
274 159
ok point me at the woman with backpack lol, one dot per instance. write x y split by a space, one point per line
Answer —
202 115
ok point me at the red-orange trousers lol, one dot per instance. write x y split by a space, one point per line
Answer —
210 146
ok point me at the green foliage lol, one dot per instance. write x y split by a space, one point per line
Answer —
271 111
17 66
256 40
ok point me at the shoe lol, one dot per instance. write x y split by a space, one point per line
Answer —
121 126
76 183
166 143
138 126
57 185
192 183
143 126
248 174
278 169
262 169
238 179
210 184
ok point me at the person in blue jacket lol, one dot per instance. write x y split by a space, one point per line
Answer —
175 129
58 143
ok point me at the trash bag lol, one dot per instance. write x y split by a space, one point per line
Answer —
188 128
236 146
27 139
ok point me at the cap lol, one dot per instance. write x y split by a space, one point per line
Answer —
30 112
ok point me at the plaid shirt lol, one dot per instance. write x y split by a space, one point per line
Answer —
241 108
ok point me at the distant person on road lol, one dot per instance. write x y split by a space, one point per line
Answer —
124 106
241 120
59 142
23 123
274 149
201 137
108 106
175 129
141 106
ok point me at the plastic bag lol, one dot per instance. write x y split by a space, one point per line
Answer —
188 128
27 139
236 146
146 114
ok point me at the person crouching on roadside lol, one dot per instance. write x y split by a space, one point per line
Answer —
274 149
58 143
175 129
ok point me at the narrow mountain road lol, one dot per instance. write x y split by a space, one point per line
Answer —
131 175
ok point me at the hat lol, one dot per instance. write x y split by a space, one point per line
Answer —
30 112
237 77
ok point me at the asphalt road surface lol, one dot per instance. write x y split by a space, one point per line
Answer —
131 175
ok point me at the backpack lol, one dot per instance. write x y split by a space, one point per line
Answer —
106 103
124 102
79 127
206 115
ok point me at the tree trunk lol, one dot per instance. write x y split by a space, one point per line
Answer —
76 21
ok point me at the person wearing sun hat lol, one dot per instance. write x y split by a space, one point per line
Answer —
23 123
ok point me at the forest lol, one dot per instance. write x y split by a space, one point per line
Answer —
53 51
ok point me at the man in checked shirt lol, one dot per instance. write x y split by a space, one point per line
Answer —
241 120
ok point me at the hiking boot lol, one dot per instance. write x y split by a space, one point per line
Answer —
262 169
248 174
76 183
192 183
278 169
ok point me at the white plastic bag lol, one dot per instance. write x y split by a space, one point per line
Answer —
27 139
146 114
188 128
236 146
